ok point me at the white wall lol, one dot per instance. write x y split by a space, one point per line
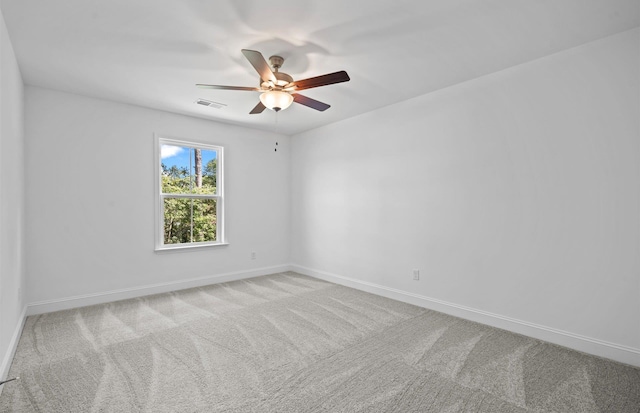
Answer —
90 199
516 194
11 199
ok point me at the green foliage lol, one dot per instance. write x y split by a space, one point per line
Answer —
189 220
210 173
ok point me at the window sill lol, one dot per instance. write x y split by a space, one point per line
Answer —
185 248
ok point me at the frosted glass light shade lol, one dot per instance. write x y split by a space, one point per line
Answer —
276 100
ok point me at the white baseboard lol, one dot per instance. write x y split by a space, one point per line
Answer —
620 353
11 351
134 292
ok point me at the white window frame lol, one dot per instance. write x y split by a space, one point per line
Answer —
160 196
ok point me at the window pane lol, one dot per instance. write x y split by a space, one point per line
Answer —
205 219
188 170
189 220
209 171
176 178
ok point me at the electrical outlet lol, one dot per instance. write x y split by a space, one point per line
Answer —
253 255
416 275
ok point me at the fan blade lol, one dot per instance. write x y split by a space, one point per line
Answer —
258 109
330 79
252 89
262 67
312 103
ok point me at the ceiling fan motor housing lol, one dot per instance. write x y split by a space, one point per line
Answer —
282 79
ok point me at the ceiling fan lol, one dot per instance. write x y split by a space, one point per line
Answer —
278 88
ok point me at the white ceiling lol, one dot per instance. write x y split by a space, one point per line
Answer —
152 52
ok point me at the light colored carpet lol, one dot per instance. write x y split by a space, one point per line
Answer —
290 343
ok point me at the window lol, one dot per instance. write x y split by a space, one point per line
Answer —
190 201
